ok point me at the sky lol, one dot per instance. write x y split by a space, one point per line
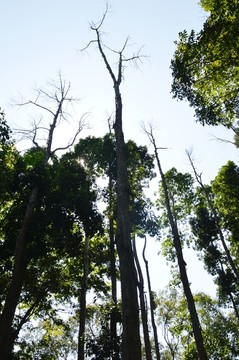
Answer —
40 39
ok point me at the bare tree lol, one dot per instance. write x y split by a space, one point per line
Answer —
60 97
131 347
197 331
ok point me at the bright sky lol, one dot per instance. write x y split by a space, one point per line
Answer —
39 39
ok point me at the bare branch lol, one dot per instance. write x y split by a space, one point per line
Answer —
30 102
58 97
134 58
198 176
96 28
149 132
81 125
223 140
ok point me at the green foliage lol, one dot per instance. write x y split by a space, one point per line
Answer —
205 66
99 159
100 345
5 131
8 159
54 339
219 328
210 224
226 189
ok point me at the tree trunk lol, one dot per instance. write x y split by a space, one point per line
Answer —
151 305
130 310
113 315
81 335
19 270
202 354
144 315
131 346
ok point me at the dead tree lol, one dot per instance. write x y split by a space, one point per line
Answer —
60 96
197 331
131 347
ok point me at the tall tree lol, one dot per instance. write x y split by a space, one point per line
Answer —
60 96
214 223
172 218
130 308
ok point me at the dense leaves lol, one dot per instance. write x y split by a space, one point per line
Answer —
205 66
219 327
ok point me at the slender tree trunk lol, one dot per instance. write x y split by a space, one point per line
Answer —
151 305
113 315
81 335
144 315
197 331
19 270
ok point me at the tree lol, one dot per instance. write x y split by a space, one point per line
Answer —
205 66
172 219
36 163
130 309
98 156
214 225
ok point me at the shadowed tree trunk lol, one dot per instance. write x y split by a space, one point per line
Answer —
151 305
143 309
113 315
81 335
197 331
19 270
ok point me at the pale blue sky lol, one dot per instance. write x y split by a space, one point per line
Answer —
40 38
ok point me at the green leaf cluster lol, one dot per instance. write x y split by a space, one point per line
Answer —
205 66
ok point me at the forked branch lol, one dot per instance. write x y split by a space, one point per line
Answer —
56 101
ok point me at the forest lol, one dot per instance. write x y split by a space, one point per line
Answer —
73 282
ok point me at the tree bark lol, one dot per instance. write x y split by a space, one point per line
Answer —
151 305
81 335
19 270
113 315
130 310
144 315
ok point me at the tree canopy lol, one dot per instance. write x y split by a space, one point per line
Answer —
205 66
